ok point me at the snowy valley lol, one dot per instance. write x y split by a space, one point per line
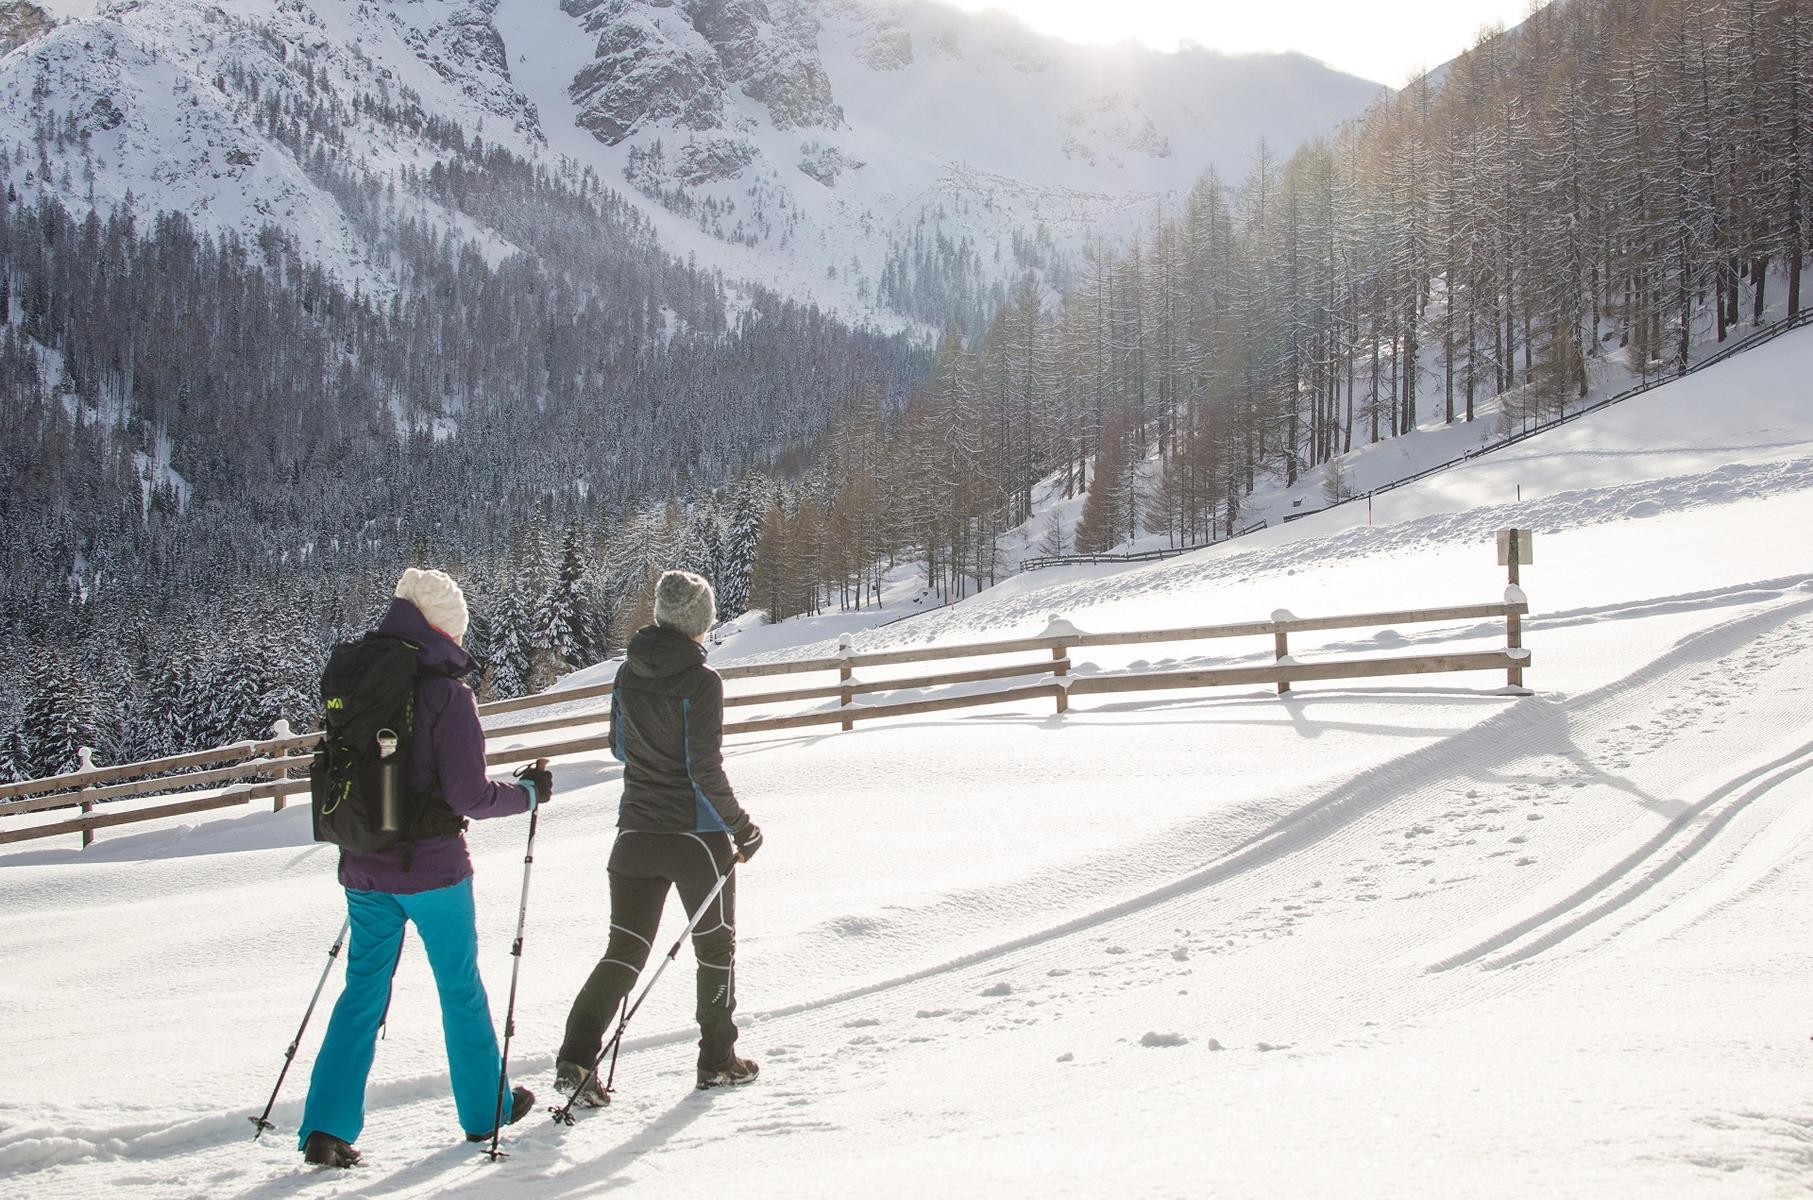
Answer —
1386 940
887 319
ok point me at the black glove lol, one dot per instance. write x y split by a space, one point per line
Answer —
749 840
540 779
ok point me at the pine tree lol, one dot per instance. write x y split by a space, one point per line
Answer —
511 656
565 638
738 556
58 722
14 757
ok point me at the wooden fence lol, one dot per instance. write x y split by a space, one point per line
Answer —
275 769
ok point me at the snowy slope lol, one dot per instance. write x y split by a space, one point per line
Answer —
169 105
885 121
1369 940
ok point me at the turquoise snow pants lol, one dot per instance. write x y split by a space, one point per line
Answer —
445 921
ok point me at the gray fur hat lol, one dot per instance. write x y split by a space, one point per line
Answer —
685 603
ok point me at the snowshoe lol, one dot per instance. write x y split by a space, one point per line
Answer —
568 1080
521 1101
326 1150
735 1072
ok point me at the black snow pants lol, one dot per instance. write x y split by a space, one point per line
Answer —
642 867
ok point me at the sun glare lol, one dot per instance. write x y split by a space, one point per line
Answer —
1383 41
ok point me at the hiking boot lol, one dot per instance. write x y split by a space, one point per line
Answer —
568 1078
736 1071
326 1150
521 1101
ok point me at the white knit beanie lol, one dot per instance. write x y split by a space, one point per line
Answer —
684 603
439 598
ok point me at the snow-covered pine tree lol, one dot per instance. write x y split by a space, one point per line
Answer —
511 654
738 556
565 639
58 721
14 756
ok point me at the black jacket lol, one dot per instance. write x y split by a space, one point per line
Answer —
667 728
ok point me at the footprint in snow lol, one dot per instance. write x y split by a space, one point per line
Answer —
862 1023
1003 988
926 1013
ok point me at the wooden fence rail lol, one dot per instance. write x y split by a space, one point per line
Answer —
274 763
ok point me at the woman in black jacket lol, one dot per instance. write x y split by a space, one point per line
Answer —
679 824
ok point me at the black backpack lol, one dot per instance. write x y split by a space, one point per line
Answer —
368 693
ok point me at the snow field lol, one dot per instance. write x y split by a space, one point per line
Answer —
1411 938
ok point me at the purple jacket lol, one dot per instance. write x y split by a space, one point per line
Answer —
448 742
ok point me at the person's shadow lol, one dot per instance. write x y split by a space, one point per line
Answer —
536 1149
607 1170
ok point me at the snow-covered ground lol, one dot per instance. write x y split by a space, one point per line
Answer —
1397 939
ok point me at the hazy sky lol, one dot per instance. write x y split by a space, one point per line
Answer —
1382 40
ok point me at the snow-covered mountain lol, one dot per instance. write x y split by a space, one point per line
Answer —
874 154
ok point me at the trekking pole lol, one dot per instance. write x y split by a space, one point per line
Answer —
522 916
564 1114
262 1122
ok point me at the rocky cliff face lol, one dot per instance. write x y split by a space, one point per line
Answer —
19 23
466 50
677 61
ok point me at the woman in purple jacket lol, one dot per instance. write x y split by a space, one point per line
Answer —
428 882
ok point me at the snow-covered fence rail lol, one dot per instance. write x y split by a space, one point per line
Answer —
270 769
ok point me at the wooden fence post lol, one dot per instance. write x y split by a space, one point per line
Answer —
85 756
847 697
280 731
1058 627
1281 643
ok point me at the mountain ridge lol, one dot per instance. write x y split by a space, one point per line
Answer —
803 143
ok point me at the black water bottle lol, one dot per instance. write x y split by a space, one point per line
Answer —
390 783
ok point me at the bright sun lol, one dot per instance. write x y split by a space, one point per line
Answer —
1386 41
